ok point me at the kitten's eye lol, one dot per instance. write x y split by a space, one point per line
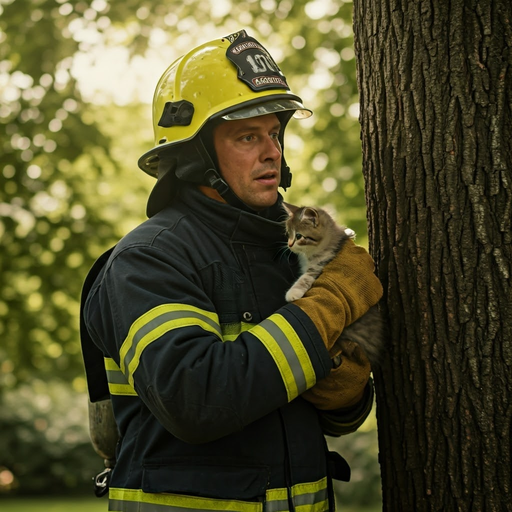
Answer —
298 236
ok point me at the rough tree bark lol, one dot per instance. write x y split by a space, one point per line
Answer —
435 83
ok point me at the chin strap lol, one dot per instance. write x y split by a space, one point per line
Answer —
216 182
213 179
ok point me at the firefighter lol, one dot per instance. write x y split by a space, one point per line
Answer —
221 391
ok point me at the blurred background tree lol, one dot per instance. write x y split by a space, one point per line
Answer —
76 83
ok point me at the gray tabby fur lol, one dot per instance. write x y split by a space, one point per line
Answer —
316 238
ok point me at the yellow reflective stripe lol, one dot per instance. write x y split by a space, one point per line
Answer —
300 350
230 332
308 497
136 500
277 500
288 352
311 497
121 390
117 382
309 487
320 506
156 322
110 364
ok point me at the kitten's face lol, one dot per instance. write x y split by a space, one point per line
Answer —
303 229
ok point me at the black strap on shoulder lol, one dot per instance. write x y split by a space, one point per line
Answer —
97 383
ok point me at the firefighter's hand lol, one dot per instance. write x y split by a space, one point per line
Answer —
343 292
346 383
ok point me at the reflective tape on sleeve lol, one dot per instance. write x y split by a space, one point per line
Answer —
155 323
117 382
288 352
230 332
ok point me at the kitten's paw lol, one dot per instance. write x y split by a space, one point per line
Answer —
292 295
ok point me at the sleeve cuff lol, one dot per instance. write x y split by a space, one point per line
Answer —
346 420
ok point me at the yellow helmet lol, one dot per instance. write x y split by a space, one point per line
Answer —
225 79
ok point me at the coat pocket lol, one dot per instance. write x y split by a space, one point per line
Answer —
227 481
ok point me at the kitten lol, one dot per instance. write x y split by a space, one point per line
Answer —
316 238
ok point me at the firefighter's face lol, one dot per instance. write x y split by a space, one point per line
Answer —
249 156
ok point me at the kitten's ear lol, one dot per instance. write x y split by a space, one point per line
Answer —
290 208
311 214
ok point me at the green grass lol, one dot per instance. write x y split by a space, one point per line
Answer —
359 509
71 504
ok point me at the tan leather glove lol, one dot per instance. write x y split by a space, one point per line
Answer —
345 385
342 293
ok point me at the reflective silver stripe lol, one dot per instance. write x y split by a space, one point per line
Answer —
310 498
134 506
123 506
276 506
116 377
316 500
117 382
289 352
155 323
307 497
131 506
136 500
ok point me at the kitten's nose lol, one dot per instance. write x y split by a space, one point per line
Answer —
291 242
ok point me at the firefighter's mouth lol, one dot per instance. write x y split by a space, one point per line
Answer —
268 176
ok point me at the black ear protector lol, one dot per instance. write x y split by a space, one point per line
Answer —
286 175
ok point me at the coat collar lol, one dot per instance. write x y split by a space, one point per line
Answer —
266 227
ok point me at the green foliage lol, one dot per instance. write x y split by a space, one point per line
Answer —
361 452
75 504
55 213
44 445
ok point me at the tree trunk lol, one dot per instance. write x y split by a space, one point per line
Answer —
435 83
